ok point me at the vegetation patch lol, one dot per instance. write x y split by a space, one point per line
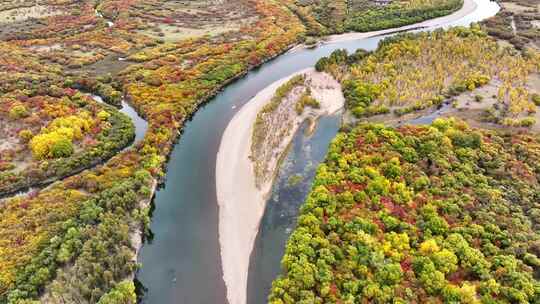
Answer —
516 23
46 138
329 17
102 48
417 214
411 72
273 123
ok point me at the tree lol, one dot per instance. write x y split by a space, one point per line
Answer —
18 111
389 274
52 145
122 293
445 261
61 148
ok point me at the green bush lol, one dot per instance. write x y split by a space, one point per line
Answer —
18 111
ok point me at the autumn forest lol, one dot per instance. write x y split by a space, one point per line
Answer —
429 192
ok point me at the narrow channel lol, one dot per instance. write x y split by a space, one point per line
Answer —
181 263
141 125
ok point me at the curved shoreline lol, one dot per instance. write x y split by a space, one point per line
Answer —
241 203
468 7
236 142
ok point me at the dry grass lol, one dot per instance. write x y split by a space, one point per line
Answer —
26 13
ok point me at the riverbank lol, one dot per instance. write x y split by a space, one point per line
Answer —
241 202
468 7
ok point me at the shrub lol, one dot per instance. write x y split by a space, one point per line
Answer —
78 124
18 111
122 293
536 99
527 122
25 135
61 148
52 145
103 115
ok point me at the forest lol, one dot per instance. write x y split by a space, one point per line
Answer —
419 214
323 17
413 72
69 237
443 212
72 240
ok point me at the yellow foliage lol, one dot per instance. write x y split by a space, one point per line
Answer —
42 144
103 115
78 123
428 247
396 245
468 294
413 72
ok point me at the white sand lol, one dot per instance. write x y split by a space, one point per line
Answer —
241 203
468 7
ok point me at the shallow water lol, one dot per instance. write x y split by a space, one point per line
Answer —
181 264
282 208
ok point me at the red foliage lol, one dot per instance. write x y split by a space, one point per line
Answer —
333 289
70 92
457 277
254 59
336 188
175 77
95 130
168 20
355 187
379 223
360 141
406 264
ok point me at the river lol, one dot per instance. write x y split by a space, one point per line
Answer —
181 262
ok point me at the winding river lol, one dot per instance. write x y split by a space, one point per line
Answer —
182 260
141 126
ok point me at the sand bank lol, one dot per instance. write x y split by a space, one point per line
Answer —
241 202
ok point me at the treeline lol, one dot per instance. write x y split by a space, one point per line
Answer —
334 17
262 128
412 72
272 123
418 214
392 16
